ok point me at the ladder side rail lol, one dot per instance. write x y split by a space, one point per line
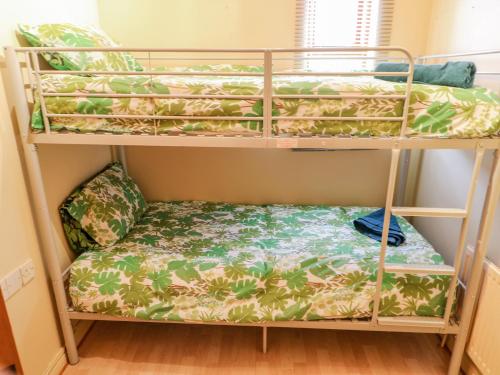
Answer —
385 231
463 233
471 293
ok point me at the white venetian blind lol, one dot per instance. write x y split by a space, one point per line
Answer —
331 23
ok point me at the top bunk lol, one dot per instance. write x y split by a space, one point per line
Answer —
325 98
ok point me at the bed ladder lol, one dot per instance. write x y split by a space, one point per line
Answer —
452 271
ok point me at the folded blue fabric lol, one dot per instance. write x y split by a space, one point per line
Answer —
371 225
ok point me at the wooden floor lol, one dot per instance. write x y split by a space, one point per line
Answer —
128 348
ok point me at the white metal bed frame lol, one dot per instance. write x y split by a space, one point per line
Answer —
25 72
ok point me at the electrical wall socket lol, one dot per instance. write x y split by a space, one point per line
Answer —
27 271
11 283
16 279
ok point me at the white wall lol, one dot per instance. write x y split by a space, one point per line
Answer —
35 11
458 26
200 23
31 311
260 176
234 23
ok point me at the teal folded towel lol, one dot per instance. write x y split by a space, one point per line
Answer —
453 73
372 226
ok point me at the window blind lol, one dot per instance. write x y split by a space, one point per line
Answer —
329 23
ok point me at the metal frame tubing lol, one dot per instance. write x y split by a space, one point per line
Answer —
471 294
39 204
265 140
33 65
385 232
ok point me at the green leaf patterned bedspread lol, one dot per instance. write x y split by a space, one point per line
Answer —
242 263
435 111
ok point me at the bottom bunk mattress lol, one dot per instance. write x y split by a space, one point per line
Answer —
243 263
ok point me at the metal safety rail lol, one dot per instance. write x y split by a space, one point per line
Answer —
21 85
29 60
268 58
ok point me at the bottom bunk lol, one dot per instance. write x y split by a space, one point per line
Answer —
217 262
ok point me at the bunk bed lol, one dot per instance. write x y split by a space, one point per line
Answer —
260 107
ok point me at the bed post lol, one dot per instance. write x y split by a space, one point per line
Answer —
122 157
267 123
39 201
403 170
264 339
487 216
118 153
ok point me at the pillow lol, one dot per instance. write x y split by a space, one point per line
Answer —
102 211
68 35
78 239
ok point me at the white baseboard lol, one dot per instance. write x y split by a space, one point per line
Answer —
58 363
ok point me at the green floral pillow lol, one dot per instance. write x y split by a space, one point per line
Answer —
78 239
68 35
102 211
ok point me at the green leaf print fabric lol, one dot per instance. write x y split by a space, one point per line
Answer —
242 263
435 111
69 35
103 210
77 238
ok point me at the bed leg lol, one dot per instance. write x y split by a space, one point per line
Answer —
443 340
118 153
38 200
485 227
264 340
49 248
122 156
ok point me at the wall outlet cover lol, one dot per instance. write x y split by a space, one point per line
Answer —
11 283
27 271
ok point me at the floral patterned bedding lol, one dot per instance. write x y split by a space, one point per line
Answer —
242 263
68 35
435 111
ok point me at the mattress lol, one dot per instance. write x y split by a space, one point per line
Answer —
204 261
435 111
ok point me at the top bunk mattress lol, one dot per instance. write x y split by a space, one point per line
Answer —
435 111
205 261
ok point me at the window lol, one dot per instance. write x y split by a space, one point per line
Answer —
332 23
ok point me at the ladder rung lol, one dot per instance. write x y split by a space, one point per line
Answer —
415 321
429 212
415 269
